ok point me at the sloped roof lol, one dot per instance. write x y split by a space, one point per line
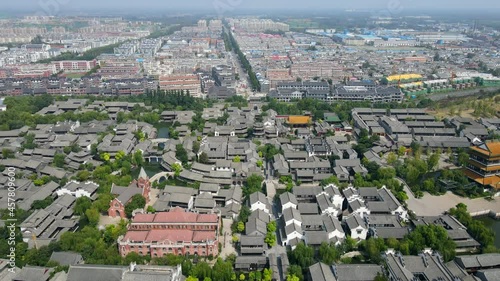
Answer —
297 120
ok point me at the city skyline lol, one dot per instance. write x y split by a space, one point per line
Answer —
393 6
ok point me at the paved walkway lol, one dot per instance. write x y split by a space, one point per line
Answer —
226 239
107 220
430 205
351 254
153 196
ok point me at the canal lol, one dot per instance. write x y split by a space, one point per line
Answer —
163 130
495 226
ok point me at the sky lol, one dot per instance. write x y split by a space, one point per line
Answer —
216 6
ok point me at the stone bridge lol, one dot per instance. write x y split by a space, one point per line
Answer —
160 175
161 140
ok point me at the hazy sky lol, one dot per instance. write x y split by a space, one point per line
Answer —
215 6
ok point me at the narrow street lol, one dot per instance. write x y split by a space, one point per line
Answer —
226 239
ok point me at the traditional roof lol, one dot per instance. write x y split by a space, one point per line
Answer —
299 120
176 215
492 149
142 174
66 258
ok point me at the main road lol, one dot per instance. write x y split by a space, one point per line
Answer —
463 93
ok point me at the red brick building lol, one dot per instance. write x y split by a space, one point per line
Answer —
176 232
75 66
124 194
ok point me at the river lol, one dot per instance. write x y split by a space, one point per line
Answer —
495 226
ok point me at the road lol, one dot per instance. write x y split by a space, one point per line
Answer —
464 93
277 249
244 78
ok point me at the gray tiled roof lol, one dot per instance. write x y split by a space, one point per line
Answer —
308 208
353 221
479 261
255 226
66 258
288 197
96 273
321 272
357 272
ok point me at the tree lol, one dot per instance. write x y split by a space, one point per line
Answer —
59 160
373 248
259 163
203 158
191 278
258 275
271 227
268 274
253 184
82 204
295 270
177 168
105 156
431 236
433 161
462 158
29 141
119 155
476 228
270 239
241 227
181 154
330 180
268 151
92 216
150 209
201 270
392 158
412 174
37 40
428 185
137 159
7 153
401 151
242 277
302 255
137 202
196 147
42 204
292 278
235 238
386 173
83 175
237 159
222 270
415 147
140 136
328 253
